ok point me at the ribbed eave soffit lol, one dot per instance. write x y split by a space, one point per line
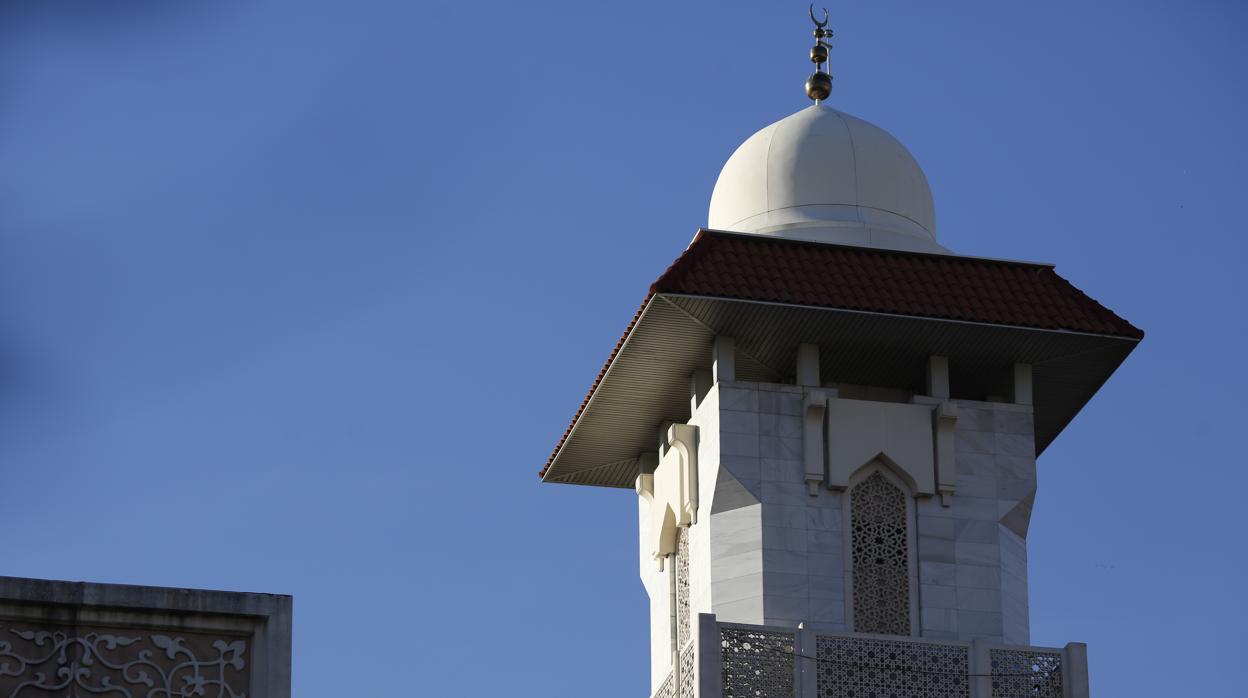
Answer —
648 382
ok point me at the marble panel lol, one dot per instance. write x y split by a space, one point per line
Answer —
780 447
738 398
783 470
974 442
737 422
943 528
936 550
978 577
738 445
938 596
977 553
789 426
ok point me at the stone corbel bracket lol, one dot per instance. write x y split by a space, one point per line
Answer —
647 464
944 419
670 488
814 408
684 439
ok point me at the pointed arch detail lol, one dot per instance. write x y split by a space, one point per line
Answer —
882 461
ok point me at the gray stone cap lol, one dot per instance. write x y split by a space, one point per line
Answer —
130 596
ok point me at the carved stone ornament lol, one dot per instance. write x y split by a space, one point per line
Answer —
672 490
122 664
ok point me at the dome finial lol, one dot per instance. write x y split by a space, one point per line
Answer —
819 85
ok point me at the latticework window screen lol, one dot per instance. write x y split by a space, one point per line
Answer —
881 556
682 587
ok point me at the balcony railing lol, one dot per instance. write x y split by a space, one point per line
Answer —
731 660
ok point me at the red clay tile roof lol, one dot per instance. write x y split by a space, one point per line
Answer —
756 268
751 267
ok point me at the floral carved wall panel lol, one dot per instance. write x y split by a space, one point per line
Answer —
43 660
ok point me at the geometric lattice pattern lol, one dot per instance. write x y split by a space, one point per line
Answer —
850 667
1023 674
881 557
667 689
682 586
757 664
688 672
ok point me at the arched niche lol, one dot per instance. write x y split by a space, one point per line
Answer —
881 567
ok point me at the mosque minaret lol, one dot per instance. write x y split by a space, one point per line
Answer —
832 425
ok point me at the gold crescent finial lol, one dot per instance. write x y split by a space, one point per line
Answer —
819 85
818 24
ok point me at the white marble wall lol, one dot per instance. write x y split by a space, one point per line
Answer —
707 418
972 567
701 552
658 587
1016 621
764 551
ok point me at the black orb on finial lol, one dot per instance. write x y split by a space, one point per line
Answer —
819 85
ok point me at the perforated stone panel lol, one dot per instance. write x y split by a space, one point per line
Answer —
756 663
868 668
682 586
667 689
688 673
71 661
880 557
1023 674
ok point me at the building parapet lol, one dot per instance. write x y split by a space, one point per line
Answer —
79 638
735 659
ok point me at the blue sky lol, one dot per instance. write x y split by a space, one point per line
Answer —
297 296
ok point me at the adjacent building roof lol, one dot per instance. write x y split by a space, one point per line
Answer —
704 290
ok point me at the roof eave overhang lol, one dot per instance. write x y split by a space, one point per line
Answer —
647 380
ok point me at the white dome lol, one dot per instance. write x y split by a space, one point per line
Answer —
826 176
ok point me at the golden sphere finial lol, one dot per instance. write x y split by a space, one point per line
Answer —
819 85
